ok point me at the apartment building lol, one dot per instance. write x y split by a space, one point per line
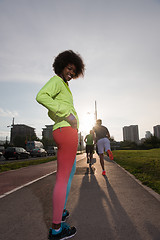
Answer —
156 131
47 132
22 130
131 133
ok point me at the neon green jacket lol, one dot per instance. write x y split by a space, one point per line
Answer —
56 96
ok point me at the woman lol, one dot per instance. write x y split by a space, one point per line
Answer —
89 140
57 98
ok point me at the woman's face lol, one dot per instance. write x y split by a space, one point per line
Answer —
68 72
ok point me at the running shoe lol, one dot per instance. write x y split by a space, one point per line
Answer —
67 232
65 215
110 154
104 173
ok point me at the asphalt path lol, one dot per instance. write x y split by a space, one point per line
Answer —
13 180
102 208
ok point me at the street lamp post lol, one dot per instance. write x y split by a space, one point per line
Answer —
10 126
95 111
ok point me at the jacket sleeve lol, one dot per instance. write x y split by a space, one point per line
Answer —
47 97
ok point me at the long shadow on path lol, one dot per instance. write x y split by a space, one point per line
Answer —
99 214
122 224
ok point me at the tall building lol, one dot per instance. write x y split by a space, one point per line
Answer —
47 132
156 131
21 130
131 133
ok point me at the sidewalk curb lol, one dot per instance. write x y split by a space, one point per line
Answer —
148 189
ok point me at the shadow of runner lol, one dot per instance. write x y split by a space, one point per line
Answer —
99 214
121 222
89 215
153 231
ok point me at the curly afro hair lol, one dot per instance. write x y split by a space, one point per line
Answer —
69 57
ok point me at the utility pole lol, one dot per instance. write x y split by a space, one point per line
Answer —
95 111
12 122
11 126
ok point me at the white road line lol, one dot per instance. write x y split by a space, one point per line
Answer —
29 183
24 185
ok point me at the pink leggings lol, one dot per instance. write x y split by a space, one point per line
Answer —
66 139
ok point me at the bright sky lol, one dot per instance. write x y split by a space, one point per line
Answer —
119 42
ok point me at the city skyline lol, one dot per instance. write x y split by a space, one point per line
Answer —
119 43
130 133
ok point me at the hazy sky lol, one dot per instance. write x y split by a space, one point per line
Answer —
119 42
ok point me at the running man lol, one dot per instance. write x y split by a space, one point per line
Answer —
103 143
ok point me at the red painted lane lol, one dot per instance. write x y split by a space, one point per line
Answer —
15 178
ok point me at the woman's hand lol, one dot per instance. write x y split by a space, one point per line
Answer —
72 120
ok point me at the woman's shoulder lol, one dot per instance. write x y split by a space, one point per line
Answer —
56 78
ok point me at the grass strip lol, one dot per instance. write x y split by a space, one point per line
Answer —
143 164
26 163
19 164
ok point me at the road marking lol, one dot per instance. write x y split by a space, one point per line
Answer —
29 183
26 184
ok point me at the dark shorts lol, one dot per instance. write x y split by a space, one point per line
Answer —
89 149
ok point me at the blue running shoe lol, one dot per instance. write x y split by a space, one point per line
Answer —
65 215
67 232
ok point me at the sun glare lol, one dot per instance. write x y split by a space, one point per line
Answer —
86 123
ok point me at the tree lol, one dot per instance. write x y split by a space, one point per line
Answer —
152 142
128 145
